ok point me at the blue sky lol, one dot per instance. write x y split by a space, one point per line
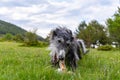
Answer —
45 15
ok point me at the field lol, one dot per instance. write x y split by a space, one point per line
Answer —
33 63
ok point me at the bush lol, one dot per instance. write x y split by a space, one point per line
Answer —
105 48
43 44
8 37
39 44
30 39
18 38
1 39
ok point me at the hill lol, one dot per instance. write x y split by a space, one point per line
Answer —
6 27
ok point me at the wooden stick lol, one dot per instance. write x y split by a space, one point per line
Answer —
62 65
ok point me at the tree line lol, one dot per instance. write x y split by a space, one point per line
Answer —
94 31
28 39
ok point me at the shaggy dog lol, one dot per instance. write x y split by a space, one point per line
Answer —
65 49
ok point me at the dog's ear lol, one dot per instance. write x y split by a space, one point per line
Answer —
53 34
72 38
69 31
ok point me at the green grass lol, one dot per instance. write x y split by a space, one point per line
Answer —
33 63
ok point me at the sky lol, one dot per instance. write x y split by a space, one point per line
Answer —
45 15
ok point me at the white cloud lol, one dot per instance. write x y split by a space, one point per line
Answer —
54 12
99 12
4 11
6 0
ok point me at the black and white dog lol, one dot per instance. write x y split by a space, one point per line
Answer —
65 47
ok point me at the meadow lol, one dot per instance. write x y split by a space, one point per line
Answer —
33 63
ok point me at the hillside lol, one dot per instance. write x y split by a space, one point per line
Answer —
6 27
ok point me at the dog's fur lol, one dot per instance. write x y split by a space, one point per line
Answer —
64 46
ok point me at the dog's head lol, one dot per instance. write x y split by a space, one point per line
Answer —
62 39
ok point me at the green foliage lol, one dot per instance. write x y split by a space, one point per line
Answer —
82 26
43 44
105 48
92 32
31 39
18 38
114 27
1 39
33 63
6 27
47 38
8 37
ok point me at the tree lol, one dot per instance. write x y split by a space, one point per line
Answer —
114 27
81 27
92 32
19 37
47 38
31 39
100 32
8 37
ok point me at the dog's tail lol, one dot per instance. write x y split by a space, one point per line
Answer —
82 46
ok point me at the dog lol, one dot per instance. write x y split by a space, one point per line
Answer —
65 48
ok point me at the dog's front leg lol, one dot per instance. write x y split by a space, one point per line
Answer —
54 58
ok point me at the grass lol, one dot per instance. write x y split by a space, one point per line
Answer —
33 63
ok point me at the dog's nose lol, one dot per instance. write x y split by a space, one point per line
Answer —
61 57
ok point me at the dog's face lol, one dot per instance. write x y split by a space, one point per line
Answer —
62 39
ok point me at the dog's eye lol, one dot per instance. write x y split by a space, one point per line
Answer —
68 44
59 41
